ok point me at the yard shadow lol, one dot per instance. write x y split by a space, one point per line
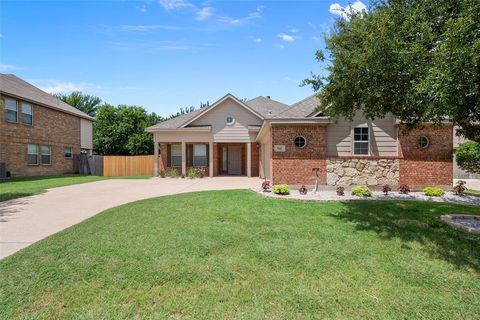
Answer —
419 222
5 196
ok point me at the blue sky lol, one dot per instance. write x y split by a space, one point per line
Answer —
166 54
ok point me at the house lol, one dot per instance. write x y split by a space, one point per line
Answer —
297 145
39 134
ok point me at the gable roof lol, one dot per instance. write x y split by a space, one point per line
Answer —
302 109
266 107
217 103
13 86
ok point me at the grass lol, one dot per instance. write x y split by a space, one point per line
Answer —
28 186
473 192
237 255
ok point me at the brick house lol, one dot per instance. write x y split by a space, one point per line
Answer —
297 145
39 134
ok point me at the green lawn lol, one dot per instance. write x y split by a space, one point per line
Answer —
238 255
473 192
28 186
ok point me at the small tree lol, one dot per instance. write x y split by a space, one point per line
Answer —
468 156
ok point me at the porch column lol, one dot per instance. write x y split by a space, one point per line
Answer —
249 159
210 159
184 158
155 163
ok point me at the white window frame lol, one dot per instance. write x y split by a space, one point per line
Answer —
65 153
175 155
30 114
230 123
197 158
7 109
31 154
304 139
361 141
49 155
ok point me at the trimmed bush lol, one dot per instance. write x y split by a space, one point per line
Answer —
172 173
404 189
340 191
361 191
192 173
303 190
281 189
433 192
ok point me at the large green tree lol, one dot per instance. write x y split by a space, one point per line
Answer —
121 130
83 102
417 59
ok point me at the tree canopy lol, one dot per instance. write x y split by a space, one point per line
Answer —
83 102
468 156
416 59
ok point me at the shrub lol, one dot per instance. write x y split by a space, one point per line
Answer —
172 172
386 189
361 191
404 189
202 172
162 174
340 191
281 189
192 173
459 188
303 190
468 156
433 192
265 185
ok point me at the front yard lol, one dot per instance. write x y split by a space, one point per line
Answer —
237 255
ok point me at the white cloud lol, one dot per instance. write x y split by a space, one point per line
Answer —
294 30
348 10
258 40
238 21
142 8
8 67
174 4
281 46
54 86
204 13
286 37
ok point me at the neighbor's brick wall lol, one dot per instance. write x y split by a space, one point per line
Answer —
50 127
294 166
431 166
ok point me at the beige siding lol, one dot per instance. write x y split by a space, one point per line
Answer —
238 132
86 134
265 153
179 136
383 136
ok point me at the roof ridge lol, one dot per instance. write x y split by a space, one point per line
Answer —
304 99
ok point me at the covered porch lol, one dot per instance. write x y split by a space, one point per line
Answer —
215 158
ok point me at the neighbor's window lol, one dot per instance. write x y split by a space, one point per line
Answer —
46 155
299 142
176 155
360 141
199 155
32 154
27 113
67 152
11 110
423 142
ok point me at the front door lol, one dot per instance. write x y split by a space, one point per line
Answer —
235 160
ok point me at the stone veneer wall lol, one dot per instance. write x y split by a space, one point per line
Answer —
355 171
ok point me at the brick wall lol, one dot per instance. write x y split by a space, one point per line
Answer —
255 160
429 166
295 165
50 127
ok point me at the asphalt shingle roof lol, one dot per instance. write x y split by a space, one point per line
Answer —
301 109
12 85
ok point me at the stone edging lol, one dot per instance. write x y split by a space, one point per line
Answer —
450 220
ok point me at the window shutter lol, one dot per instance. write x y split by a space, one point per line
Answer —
208 155
169 155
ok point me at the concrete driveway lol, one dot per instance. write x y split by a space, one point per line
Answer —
26 220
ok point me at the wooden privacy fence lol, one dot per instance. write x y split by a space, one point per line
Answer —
88 164
115 166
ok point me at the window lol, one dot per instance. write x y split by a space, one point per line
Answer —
11 110
46 155
32 154
360 141
176 155
224 158
230 120
67 152
27 113
199 155
299 142
423 142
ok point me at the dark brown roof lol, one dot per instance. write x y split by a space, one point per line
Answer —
13 86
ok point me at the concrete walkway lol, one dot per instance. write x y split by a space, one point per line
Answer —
26 220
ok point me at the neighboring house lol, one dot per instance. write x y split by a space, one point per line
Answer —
39 134
297 145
